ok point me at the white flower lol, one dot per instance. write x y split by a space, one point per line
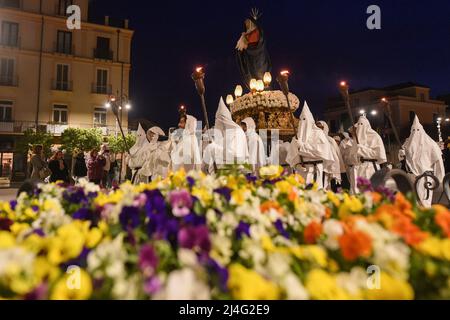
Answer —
185 285
294 288
221 249
353 282
187 258
87 186
333 230
278 265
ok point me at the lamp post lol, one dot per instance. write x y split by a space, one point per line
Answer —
344 89
199 79
283 79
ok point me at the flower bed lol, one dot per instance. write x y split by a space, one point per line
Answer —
193 236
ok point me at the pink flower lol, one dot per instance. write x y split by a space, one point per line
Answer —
181 203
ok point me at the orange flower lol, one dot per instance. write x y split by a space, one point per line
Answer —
312 232
376 197
268 205
292 196
410 233
404 205
442 219
355 244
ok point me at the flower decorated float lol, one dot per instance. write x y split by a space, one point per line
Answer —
193 236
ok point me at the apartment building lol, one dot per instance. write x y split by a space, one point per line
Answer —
53 78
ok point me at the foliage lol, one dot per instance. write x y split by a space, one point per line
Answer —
76 139
31 138
118 145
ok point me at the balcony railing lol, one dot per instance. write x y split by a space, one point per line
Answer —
104 54
58 85
63 49
56 129
11 43
8 81
101 89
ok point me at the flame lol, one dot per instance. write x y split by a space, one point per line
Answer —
343 83
199 69
383 99
284 73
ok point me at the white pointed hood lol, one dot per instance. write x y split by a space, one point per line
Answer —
337 166
372 146
307 126
157 131
250 123
224 121
422 152
141 141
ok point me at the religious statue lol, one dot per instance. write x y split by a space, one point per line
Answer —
253 58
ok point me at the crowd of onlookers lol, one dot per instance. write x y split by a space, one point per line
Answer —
98 166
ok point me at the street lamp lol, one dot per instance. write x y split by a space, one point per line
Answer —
344 89
374 112
387 105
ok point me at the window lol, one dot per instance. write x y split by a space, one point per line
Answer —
6 72
6 111
422 97
60 114
10 34
10 3
62 7
103 50
62 77
64 42
100 116
102 82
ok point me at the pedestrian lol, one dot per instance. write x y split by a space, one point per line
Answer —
109 160
58 167
95 167
39 166
80 168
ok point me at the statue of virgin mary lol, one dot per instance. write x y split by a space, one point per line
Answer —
252 55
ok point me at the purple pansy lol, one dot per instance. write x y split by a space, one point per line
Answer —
39 293
251 178
364 185
388 193
216 269
160 226
13 204
148 260
279 226
129 217
194 219
155 203
242 228
195 237
181 202
152 285
224 192
190 181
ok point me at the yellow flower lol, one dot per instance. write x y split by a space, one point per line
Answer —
271 172
323 286
391 289
75 286
245 284
44 270
17 228
112 198
267 244
435 248
67 244
6 240
239 196
179 178
350 206
296 180
5 208
311 253
334 199
52 205
284 187
34 243
93 237
204 195
31 214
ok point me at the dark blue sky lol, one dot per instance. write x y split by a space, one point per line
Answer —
321 42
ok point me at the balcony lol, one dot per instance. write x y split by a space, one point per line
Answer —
63 49
56 129
101 89
11 43
103 54
6 126
9 81
66 86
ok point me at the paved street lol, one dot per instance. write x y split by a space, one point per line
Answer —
7 194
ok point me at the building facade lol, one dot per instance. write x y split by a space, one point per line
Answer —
53 78
406 100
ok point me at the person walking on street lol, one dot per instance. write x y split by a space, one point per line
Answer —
59 169
39 165
95 167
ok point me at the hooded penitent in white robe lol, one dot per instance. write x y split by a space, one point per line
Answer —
256 151
278 153
345 147
234 140
158 158
186 151
311 145
213 152
369 146
334 169
423 154
139 156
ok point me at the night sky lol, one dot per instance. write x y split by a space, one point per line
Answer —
320 42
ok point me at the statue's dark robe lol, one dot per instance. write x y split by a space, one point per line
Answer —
254 61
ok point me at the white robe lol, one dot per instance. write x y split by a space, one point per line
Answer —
345 149
213 152
185 150
158 160
256 150
278 153
139 155
334 169
423 154
369 146
311 144
233 138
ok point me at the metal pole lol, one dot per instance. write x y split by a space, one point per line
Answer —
205 112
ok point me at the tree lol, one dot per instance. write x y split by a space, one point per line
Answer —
117 145
31 138
75 140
